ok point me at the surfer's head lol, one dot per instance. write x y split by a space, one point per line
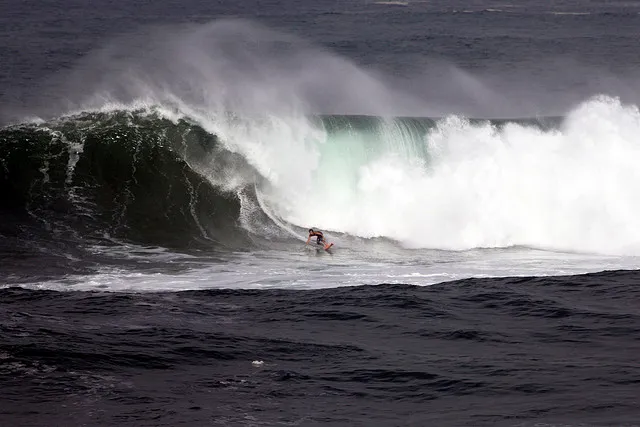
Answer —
310 230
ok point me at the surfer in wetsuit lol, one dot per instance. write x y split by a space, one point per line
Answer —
320 240
319 236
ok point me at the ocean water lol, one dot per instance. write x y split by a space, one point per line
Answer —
474 164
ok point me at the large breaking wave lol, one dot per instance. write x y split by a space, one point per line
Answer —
214 136
452 183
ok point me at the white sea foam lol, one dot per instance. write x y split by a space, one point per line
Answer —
299 270
576 188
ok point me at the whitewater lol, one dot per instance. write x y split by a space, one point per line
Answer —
464 185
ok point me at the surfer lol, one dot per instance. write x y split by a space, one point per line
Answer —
319 236
320 240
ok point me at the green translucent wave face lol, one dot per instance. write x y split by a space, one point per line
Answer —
356 140
353 142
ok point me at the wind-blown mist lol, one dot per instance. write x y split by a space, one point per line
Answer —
226 66
238 66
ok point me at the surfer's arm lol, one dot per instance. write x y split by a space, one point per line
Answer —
308 239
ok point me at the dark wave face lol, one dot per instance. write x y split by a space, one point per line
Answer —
481 352
119 175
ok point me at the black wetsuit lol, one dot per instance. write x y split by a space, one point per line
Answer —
319 236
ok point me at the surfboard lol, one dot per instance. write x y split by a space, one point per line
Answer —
317 248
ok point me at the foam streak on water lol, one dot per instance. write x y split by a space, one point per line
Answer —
308 270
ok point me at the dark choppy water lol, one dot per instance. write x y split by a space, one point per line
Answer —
506 352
